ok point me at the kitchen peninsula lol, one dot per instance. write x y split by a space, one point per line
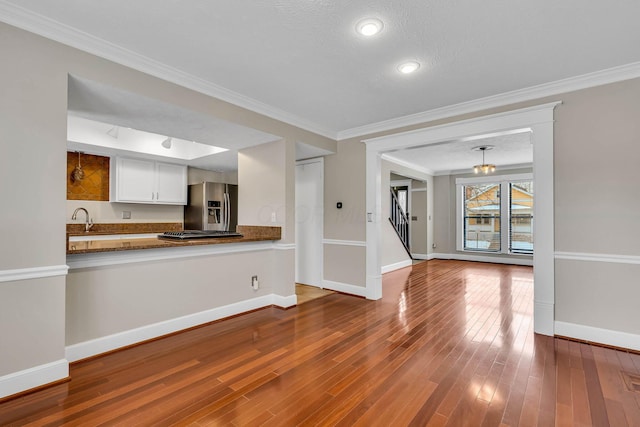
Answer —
126 286
108 241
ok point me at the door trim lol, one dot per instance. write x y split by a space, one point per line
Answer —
538 120
321 225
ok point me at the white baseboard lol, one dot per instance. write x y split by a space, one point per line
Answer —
396 266
543 318
484 258
346 288
425 257
107 343
37 376
598 335
344 242
284 302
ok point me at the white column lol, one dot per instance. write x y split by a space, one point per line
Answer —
374 214
543 258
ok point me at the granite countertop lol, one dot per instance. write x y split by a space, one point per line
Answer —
250 234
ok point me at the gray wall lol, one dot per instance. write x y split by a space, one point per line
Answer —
102 301
421 210
196 176
596 151
33 118
344 181
596 175
33 193
392 249
595 210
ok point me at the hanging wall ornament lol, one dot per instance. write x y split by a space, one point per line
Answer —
77 174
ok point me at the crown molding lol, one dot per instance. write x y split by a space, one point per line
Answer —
54 30
584 81
38 24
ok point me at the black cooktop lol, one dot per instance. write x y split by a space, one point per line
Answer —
197 234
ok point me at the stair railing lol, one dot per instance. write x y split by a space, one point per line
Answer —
400 222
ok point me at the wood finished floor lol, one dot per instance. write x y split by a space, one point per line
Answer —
449 344
306 293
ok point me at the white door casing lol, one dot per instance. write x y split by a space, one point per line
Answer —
309 221
539 121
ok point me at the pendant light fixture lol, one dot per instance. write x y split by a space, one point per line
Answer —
485 168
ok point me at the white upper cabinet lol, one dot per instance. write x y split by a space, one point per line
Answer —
171 181
144 181
132 180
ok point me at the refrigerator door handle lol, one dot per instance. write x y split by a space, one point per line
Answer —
226 212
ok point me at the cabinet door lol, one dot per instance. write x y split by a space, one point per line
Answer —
135 181
171 183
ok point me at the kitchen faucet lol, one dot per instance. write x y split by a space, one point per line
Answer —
88 224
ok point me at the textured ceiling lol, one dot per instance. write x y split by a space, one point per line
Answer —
459 156
301 61
303 57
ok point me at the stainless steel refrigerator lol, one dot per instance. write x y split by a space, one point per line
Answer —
211 206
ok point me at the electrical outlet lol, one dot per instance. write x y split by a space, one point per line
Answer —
254 283
126 214
273 217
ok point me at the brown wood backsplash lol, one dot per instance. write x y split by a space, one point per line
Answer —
95 185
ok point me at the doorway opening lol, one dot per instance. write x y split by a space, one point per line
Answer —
309 216
537 120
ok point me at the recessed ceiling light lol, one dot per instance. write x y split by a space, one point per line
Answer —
408 67
369 27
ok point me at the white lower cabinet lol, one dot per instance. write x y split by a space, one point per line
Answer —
145 181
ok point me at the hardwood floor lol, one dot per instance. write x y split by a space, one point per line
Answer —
449 344
307 293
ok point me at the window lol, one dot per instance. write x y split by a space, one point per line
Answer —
521 217
489 205
403 201
482 217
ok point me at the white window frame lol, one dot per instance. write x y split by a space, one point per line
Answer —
504 181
